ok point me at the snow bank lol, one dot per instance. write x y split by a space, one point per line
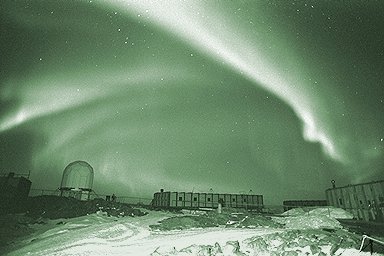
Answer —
314 221
294 212
287 242
323 217
332 212
329 211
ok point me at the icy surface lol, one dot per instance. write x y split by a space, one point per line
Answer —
310 221
98 234
323 217
294 212
329 211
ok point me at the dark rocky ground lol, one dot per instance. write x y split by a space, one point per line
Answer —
372 229
213 219
364 227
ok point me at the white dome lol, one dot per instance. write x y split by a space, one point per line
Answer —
77 175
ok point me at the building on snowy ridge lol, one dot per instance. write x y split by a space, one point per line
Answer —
192 200
291 204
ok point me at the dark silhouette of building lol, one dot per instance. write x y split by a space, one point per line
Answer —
14 187
14 191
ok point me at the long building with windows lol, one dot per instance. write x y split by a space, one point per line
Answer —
292 204
192 200
365 201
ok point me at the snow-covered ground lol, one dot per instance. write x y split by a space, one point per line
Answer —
98 234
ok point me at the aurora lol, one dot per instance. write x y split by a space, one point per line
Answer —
277 97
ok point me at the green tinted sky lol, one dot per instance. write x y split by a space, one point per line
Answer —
275 96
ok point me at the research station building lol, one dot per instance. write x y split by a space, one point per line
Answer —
365 200
190 200
292 204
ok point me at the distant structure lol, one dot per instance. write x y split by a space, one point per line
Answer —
365 200
14 187
191 200
14 190
290 204
77 180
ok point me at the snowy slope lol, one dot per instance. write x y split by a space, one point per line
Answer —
98 234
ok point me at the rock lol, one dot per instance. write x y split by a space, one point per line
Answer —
292 244
314 249
303 241
256 244
290 253
232 248
216 249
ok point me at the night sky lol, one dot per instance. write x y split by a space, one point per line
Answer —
277 97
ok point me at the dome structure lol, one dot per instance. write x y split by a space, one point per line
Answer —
77 175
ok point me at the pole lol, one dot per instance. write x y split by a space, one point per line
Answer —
370 244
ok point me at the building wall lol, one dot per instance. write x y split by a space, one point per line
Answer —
202 200
206 200
79 194
365 201
290 204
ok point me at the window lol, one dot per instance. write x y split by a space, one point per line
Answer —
195 199
233 200
340 201
209 199
180 198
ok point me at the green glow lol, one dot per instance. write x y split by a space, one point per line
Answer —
231 96
240 51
